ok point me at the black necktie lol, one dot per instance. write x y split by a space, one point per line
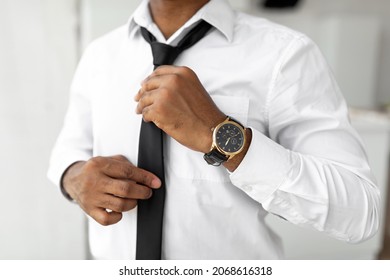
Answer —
150 153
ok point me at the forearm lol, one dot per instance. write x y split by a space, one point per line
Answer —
233 163
322 195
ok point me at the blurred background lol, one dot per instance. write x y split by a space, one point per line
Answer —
40 44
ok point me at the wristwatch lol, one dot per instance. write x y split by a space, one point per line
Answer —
228 140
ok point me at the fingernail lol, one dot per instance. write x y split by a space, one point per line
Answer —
156 183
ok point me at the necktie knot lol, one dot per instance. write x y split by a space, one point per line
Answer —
164 54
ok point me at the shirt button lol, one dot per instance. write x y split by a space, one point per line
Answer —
248 188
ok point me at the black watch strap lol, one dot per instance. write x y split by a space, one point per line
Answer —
215 158
236 121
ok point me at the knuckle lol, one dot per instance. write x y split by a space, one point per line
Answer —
89 166
175 79
160 108
145 180
106 165
145 87
120 206
124 189
98 159
94 162
157 110
120 157
107 204
142 98
164 93
147 114
128 171
186 70
146 193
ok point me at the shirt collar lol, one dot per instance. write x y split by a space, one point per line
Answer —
216 12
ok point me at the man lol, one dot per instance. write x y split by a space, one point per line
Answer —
300 159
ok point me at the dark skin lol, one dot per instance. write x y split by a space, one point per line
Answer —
174 99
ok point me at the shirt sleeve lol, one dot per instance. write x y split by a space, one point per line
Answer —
75 140
311 168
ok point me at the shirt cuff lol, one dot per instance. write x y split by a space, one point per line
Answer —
264 168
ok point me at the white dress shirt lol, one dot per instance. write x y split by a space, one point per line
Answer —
305 163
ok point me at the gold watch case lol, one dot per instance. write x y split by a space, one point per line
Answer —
231 132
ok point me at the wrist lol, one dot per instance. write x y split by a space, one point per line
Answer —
207 139
66 183
234 162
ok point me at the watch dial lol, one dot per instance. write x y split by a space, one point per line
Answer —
229 138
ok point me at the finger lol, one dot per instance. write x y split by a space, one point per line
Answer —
147 99
165 75
125 170
151 83
127 189
139 94
120 158
165 70
116 204
105 218
161 70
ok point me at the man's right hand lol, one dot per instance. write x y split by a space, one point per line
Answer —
104 187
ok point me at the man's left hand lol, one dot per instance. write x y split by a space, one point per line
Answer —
174 99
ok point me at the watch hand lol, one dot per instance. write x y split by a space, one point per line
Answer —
227 142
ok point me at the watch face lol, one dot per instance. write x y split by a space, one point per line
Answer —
230 138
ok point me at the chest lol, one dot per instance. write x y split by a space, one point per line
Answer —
237 81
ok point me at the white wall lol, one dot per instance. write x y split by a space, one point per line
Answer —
310 12
100 16
37 59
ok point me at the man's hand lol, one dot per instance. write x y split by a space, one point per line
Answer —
104 187
174 100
